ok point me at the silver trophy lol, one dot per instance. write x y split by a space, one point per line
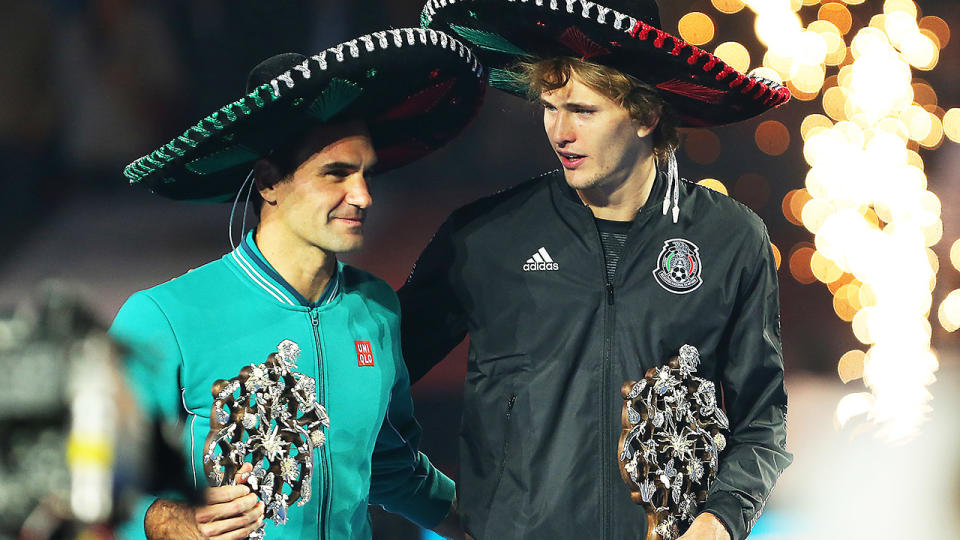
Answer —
673 433
268 416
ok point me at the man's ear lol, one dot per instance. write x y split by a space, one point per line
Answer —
644 130
266 177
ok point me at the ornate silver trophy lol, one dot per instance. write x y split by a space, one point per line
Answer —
672 438
269 416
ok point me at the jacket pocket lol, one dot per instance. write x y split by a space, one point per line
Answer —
505 451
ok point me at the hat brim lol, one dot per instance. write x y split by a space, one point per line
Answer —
415 88
703 89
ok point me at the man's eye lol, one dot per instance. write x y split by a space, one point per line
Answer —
339 173
584 111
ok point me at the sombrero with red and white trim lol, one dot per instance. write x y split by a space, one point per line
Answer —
415 88
622 34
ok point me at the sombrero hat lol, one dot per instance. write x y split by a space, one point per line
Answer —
415 88
622 34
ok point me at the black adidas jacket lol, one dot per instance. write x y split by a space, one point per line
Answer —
550 348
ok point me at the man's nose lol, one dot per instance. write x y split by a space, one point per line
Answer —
358 194
562 131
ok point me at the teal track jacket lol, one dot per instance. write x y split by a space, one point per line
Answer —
209 323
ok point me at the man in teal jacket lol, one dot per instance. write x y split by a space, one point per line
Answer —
312 138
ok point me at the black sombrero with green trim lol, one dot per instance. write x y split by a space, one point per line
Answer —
415 88
622 34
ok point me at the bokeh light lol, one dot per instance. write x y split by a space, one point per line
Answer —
727 6
838 15
714 184
850 366
866 199
939 28
734 54
701 146
951 124
697 28
772 137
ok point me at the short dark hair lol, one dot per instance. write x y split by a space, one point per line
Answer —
641 100
279 165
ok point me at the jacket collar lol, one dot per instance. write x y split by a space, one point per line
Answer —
260 273
565 192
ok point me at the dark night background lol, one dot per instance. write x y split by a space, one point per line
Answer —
90 85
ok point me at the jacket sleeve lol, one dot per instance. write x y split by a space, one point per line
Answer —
403 480
433 321
755 401
152 367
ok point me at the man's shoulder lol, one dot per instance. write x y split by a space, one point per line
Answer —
201 281
724 211
504 202
359 281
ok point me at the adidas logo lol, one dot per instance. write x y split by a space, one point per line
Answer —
540 261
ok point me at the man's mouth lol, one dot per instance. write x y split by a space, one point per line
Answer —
570 160
351 220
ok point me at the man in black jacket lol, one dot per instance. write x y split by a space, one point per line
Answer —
581 279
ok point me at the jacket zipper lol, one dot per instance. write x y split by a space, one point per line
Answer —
506 447
321 397
605 450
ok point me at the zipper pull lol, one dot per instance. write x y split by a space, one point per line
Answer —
610 294
314 319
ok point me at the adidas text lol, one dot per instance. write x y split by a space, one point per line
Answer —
534 266
540 260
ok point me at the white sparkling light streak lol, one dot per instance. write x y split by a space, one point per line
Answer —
860 170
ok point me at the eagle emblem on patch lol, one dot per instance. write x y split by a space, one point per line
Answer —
678 266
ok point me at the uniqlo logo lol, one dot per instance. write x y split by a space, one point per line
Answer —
364 353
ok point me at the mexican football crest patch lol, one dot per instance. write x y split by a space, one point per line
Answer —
678 266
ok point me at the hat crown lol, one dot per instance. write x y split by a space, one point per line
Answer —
271 68
646 10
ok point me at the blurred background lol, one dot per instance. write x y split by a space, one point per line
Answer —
855 179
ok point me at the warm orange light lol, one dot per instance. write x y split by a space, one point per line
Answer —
824 269
799 200
834 101
850 366
813 121
924 94
838 14
727 6
836 49
787 207
772 137
939 27
800 265
870 216
734 54
935 137
914 159
906 6
696 28
809 79
714 184
702 146
801 95
776 254
951 124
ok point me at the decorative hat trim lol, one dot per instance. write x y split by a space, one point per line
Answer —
284 83
758 89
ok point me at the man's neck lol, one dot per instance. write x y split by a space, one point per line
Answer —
305 267
622 200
